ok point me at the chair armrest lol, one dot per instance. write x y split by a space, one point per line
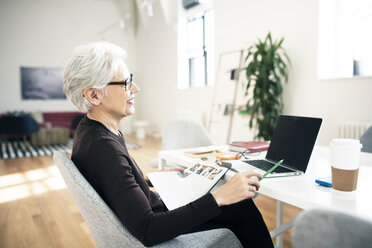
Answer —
221 237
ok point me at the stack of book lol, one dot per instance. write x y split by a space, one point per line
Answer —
249 146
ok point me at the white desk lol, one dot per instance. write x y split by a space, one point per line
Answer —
302 191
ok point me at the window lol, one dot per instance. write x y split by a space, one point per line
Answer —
196 49
345 38
196 52
199 53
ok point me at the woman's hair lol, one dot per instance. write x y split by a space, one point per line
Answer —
91 65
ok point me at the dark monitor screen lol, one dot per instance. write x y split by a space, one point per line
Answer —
293 140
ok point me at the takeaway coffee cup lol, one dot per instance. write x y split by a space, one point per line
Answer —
345 155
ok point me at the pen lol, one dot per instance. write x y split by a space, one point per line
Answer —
271 170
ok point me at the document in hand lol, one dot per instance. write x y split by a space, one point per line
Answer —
177 189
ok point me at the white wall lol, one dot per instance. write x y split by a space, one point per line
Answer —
297 21
239 23
42 33
159 100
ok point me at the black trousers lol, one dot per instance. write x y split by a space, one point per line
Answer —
245 221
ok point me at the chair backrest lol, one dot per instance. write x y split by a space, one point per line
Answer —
184 133
366 140
23 124
106 228
332 229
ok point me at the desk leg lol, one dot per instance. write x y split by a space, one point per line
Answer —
278 232
279 222
161 163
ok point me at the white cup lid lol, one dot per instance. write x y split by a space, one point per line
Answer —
346 142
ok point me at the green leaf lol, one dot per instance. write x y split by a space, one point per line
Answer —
265 71
279 44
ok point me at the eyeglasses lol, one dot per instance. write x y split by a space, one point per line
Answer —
247 152
127 82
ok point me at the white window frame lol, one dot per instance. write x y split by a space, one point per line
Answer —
343 43
184 55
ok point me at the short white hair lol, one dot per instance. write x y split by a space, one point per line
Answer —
91 65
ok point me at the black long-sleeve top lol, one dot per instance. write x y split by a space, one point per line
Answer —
103 159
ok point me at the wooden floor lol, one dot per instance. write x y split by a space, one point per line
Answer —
36 209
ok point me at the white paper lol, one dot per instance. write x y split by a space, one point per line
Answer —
176 191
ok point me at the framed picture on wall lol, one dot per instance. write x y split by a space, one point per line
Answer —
42 83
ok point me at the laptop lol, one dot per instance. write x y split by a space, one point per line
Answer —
293 140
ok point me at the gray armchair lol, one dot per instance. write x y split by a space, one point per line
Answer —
183 133
319 228
18 125
106 228
366 140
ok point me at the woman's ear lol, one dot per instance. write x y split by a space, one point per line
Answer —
93 95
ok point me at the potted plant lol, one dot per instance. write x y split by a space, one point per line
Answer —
266 69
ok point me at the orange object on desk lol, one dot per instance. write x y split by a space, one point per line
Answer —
228 156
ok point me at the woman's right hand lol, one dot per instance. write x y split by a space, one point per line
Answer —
240 187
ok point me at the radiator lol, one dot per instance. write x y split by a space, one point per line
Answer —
352 129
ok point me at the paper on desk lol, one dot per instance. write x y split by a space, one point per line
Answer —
200 152
178 189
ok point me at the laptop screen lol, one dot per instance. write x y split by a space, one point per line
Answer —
293 140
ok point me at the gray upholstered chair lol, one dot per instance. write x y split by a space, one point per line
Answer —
17 125
366 140
183 133
106 228
327 228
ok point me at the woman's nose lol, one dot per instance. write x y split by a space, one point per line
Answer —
135 88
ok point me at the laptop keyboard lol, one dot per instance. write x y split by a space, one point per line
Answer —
265 165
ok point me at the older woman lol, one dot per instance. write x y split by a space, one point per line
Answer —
97 81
